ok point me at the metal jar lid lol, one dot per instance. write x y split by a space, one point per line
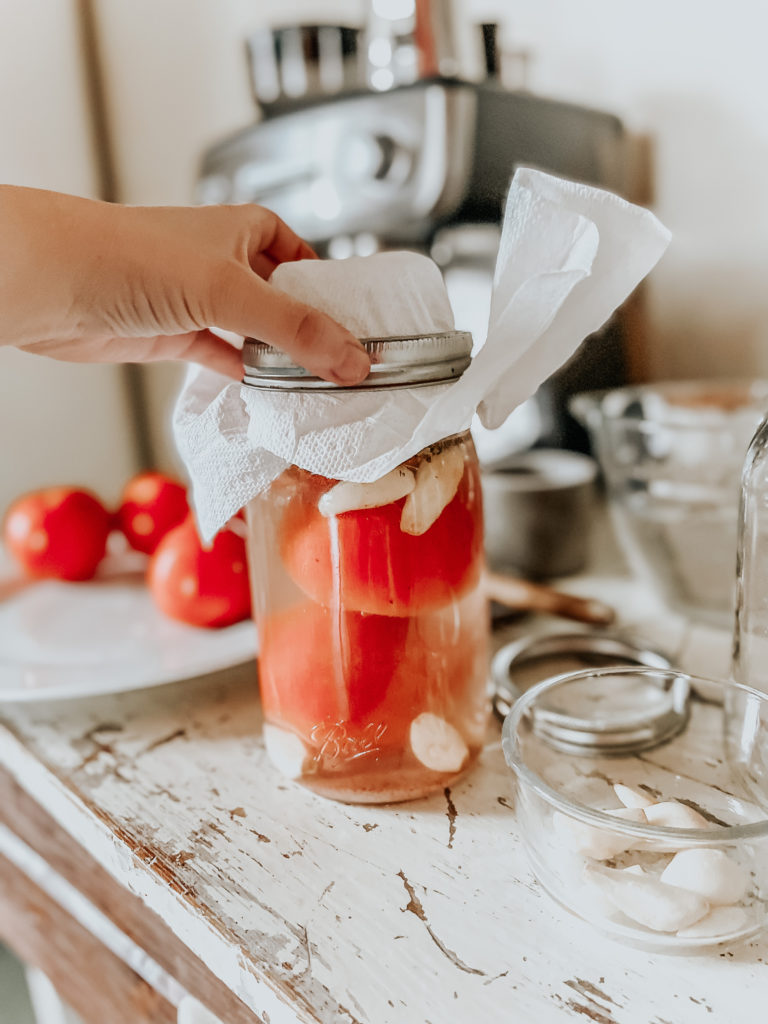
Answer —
651 710
407 361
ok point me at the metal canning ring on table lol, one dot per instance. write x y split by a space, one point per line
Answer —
586 649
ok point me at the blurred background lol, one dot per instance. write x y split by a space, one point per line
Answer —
151 103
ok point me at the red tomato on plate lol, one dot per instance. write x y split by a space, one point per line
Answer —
59 532
381 570
198 585
150 506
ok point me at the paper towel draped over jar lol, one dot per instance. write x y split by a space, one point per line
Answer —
569 255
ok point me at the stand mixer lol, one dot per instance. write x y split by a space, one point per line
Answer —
400 134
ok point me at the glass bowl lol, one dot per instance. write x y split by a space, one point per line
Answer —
642 796
672 455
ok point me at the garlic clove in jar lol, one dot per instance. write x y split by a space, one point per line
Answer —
286 751
711 873
660 907
672 814
437 744
437 481
719 921
595 842
352 497
632 797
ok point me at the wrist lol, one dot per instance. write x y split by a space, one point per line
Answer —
45 255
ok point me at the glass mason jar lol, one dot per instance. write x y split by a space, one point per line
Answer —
750 640
369 604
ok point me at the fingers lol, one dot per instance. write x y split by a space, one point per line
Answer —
273 238
264 265
244 303
197 347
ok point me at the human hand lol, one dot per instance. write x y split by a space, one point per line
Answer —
88 281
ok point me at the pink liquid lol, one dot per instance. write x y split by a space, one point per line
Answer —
363 629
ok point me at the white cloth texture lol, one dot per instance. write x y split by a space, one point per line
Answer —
569 255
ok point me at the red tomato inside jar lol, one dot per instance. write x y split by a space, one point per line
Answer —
369 605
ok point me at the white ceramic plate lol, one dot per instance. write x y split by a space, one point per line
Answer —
64 640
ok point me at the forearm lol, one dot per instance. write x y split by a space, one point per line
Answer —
45 255
92 281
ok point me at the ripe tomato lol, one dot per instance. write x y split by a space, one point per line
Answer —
347 679
201 586
319 667
59 532
151 504
371 565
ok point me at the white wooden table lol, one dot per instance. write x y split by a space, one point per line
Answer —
153 827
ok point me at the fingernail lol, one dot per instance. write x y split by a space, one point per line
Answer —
354 367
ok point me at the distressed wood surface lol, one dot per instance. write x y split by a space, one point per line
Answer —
308 910
86 975
65 856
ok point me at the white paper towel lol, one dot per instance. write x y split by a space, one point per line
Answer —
383 296
569 255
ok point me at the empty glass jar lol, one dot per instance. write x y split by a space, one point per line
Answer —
750 642
369 604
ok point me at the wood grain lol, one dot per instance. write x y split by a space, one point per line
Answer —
90 979
37 829
524 595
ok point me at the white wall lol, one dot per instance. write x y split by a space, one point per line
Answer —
178 80
693 75
59 423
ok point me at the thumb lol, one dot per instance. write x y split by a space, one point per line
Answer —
246 304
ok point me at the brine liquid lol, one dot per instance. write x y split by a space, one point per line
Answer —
363 629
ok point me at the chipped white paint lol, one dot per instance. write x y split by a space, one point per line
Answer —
420 913
90 917
116 857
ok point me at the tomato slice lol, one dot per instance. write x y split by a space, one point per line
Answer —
319 667
363 561
349 681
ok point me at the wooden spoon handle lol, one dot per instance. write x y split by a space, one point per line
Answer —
523 595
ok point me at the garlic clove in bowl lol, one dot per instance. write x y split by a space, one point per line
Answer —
632 797
709 872
649 902
595 842
672 814
720 921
